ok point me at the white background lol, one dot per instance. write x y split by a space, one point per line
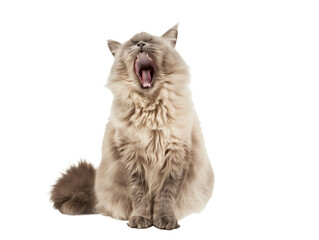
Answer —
254 67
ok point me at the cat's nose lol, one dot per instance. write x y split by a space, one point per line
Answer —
141 44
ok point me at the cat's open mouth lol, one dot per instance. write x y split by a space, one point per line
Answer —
144 68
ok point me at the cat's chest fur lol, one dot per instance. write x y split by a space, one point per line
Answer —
148 130
150 127
149 114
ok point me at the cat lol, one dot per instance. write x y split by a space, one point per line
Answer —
154 168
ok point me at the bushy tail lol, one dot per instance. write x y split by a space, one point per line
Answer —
73 193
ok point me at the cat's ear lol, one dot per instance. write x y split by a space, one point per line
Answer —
171 35
113 46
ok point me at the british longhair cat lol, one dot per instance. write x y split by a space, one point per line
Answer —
154 168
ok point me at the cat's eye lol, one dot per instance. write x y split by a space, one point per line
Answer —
134 42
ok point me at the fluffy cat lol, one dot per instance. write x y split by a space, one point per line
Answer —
154 168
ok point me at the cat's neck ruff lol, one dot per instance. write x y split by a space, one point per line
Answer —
150 112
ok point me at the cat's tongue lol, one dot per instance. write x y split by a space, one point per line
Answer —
146 78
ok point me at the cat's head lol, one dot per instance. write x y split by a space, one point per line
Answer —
146 63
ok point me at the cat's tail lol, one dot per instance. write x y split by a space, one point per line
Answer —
73 192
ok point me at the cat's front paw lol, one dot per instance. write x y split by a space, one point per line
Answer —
139 222
166 222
